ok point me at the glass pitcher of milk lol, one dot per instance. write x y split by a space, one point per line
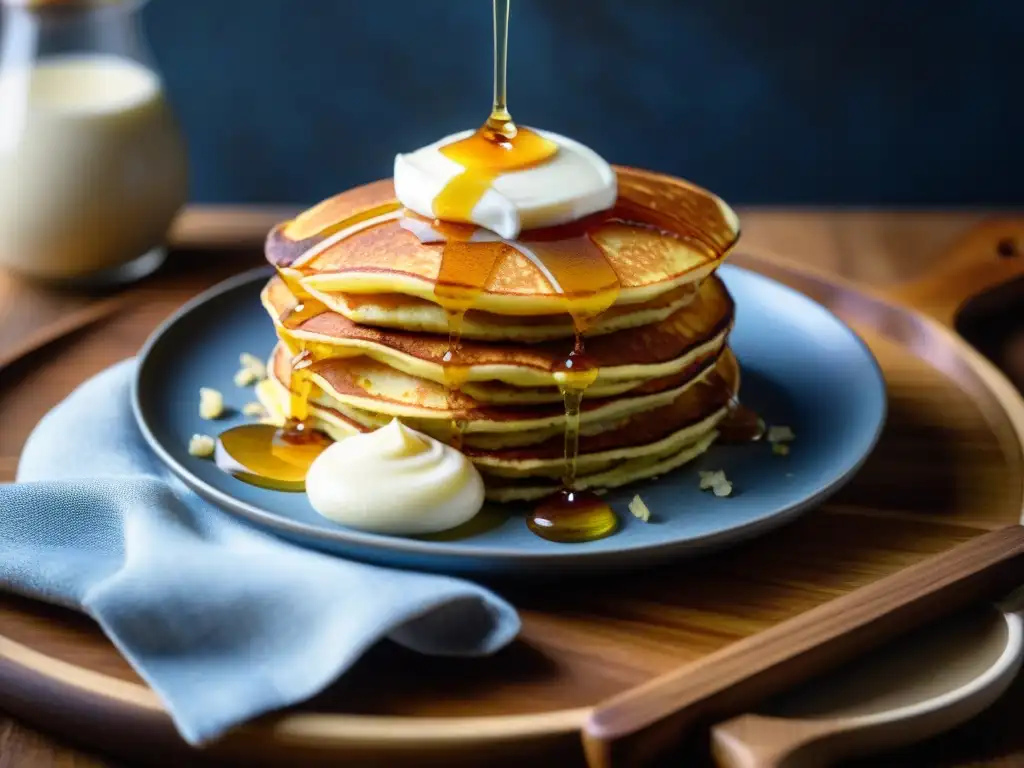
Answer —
92 163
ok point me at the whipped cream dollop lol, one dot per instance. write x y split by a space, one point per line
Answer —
574 182
394 480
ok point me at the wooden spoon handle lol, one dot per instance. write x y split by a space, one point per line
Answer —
756 741
642 724
986 257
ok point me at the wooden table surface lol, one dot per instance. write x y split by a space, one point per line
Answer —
211 243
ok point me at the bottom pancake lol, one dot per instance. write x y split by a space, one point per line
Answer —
629 471
612 472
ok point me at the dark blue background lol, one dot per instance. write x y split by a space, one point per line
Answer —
766 101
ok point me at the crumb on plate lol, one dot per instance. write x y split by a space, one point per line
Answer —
211 403
639 509
245 377
716 482
201 446
254 409
780 435
254 364
780 449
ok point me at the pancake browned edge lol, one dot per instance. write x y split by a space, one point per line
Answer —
354 244
634 355
640 446
409 313
371 394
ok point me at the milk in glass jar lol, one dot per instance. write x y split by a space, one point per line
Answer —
92 164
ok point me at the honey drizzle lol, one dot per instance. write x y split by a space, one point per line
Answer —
497 147
465 269
500 120
741 423
268 457
576 268
484 156
279 457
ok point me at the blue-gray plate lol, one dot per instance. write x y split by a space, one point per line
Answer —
801 367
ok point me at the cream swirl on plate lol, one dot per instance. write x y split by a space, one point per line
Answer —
395 480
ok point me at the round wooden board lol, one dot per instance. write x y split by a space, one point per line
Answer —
947 468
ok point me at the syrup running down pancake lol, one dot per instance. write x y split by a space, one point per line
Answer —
654 350
639 445
362 358
372 393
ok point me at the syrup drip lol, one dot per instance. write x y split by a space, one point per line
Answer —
269 457
500 120
741 425
576 375
484 156
279 457
497 147
465 269
572 516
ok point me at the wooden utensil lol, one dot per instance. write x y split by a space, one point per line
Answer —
637 726
921 685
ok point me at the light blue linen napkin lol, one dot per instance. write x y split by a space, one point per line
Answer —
222 621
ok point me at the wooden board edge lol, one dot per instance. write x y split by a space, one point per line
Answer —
311 729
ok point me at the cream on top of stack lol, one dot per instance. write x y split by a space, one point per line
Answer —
665 378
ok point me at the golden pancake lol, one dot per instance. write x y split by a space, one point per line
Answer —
616 472
663 233
393 310
661 349
696 411
370 385
499 393
361 419
371 394
651 439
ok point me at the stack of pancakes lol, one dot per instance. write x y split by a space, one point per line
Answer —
355 289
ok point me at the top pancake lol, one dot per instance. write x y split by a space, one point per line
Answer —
665 233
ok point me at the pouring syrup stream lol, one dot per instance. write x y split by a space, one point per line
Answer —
579 270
